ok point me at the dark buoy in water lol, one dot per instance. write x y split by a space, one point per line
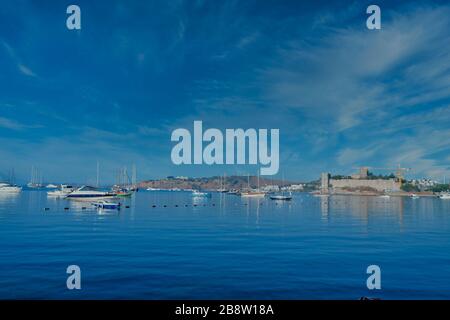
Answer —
153 206
83 208
46 209
127 207
66 208
165 206
176 206
213 204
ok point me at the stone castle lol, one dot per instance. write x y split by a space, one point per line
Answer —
359 181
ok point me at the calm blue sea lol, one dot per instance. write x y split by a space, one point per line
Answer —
225 247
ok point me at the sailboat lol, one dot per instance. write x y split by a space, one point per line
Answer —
250 192
8 188
36 179
222 185
123 187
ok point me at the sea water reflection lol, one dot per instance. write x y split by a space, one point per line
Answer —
173 245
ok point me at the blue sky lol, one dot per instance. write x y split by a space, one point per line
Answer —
342 95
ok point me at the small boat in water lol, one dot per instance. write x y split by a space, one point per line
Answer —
87 193
51 186
108 205
414 196
153 189
123 193
252 193
62 192
197 193
282 196
384 196
445 196
8 188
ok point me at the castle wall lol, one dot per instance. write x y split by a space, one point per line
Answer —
378 184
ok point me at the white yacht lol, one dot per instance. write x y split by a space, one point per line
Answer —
445 196
8 188
62 192
87 193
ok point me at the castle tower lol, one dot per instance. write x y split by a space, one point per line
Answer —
325 182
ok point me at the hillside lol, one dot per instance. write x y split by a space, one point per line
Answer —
212 183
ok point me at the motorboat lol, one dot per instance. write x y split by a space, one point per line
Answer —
8 188
62 192
445 196
282 196
108 205
385 196
87 193
414 196
51 186
197 193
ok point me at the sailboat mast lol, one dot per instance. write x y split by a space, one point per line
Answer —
258 180
98 174
134 176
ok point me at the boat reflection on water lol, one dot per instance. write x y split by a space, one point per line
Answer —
6 197
200 200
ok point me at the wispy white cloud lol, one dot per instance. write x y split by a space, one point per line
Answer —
25 70
10 124
14 125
